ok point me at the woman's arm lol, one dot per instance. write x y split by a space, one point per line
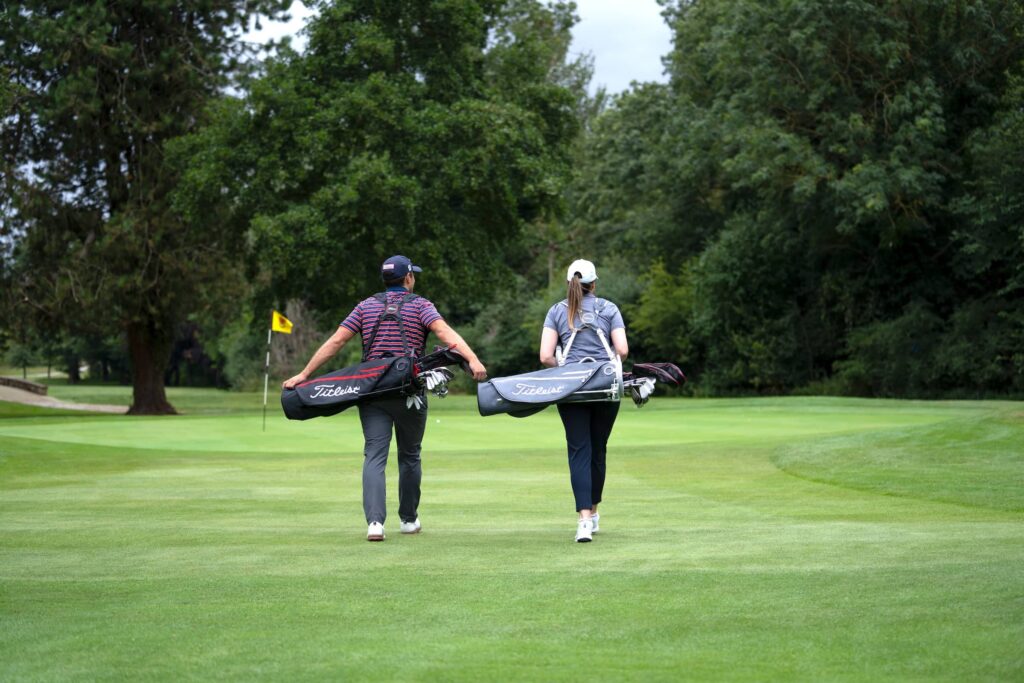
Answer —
619 342
548 342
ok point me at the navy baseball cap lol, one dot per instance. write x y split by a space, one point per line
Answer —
398 267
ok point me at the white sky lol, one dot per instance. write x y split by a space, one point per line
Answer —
626 37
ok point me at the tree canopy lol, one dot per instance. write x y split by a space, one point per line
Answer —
824 197
95 92
439 130
813 177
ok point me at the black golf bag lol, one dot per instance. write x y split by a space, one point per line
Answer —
370 380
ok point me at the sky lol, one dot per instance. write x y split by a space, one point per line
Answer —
626 37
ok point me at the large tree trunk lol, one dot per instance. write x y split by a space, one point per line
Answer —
150 351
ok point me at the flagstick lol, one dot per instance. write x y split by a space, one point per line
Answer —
266 380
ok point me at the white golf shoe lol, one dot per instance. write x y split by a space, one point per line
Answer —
584 531
375 532
410 527
596 519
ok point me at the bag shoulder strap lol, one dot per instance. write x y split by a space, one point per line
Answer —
390 312
398 317
599 306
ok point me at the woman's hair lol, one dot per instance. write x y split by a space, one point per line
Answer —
574 296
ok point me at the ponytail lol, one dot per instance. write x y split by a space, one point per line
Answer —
574 298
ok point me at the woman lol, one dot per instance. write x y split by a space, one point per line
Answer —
582 325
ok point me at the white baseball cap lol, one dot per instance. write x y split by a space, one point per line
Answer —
586 270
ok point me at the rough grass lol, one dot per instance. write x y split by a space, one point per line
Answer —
805 538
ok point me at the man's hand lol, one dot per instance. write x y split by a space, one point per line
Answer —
477 369
297 379
450 337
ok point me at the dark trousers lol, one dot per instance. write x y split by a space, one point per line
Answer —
587 428
378 418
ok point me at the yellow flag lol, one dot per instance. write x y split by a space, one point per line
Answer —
281 324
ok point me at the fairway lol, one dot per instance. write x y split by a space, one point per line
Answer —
747 539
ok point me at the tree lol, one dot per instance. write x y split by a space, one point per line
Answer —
814 182
21 356
98 91
623 196
434 129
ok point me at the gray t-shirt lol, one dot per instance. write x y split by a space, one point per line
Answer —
587 343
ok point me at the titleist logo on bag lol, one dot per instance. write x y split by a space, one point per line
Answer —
531 390
331 391
526 394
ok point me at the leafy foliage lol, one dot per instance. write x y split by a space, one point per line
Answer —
825 195
438 130
805 177
97 90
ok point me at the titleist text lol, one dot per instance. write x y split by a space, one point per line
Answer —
330 391
531 390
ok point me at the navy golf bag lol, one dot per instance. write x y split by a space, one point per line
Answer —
529 393
532 392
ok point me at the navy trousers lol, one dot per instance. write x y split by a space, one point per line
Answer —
378 419
587 428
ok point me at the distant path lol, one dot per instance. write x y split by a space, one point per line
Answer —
22 396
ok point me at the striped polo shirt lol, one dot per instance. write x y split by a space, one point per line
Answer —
417 315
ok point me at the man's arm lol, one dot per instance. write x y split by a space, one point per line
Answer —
450 337
325 352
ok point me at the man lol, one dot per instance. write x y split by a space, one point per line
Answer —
397 328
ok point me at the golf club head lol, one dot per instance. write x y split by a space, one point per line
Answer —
669 373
